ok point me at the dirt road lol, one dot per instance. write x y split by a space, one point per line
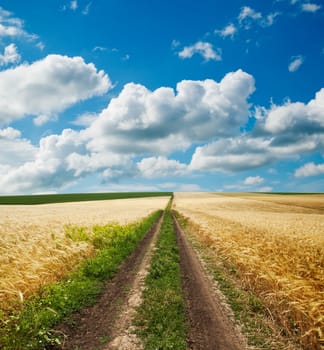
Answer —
210 327
108 324
94 327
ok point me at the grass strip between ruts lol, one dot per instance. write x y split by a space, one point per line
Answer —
160 320
32 327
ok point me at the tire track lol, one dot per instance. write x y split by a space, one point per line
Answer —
123 333
209 326
94 326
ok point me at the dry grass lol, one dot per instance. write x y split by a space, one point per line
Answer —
278 249
34 250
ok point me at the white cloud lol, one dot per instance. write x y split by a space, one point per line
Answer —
137 122
11 26
232 155
48 86
85 119
310 7
204 49
253 180
248 13
175 43
152 124
10 55
296 118
229 30
126 57
140 121
310 169
86 10
269 19
248 16
295 63
156 167
99 48
43 119
15 149
40 45
73 5
286 131
47 170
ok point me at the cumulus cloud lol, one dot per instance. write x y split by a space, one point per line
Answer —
282 132
15 149
140 121
253 180
47 87
59 161
156 167
310 7
47 170
85 119
295 118
204 49
232 155
10 55
295 63
310 169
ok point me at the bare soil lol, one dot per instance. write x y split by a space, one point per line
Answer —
93 327
209 325
123 335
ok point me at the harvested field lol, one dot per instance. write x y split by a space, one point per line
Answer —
277 248
34 248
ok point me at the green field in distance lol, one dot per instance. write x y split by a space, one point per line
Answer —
76 197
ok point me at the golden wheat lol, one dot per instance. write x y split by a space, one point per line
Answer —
278 249
34 250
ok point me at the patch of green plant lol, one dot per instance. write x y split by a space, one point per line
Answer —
160 319
76 233
75 197
32 327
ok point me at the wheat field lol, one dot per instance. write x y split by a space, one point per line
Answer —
34 249
277 244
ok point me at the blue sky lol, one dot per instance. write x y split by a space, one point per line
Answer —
108 95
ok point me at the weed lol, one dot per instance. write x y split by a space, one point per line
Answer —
160 319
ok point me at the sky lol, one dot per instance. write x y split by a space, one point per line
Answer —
158 95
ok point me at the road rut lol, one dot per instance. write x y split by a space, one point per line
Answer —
209 325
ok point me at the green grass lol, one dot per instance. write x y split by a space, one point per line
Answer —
75 197
32 327
160 319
